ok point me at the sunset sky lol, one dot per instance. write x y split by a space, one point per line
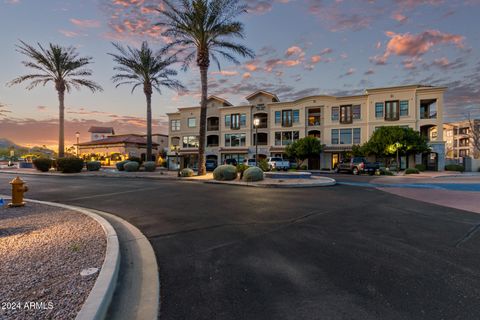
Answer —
303 47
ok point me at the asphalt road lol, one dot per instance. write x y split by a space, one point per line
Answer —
341 252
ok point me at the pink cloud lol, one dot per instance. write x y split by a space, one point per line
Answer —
85 23
70 34
225 73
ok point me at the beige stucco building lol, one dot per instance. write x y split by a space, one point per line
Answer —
460 139
339 122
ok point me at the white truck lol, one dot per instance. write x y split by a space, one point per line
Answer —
278 163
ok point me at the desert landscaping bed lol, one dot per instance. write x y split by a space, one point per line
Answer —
43 251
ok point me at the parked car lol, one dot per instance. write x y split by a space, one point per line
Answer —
210 165
250 162
278 163
357 165
233 162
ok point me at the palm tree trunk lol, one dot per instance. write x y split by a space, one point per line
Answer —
61 120
203 121
149 127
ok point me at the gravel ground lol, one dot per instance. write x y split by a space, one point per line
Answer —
43 249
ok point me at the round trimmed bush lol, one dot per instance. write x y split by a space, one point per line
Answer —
70 165
187 172
253 174
455 167
225 172
94 165
136 159
43 164
420 167
120 165
150 166
131 166
412 171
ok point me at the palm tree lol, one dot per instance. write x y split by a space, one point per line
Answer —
141 67
204 29
64 68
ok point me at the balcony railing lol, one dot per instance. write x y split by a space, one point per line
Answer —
212 127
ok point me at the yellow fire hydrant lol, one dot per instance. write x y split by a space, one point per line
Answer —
18 189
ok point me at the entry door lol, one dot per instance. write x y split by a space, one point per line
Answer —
335 159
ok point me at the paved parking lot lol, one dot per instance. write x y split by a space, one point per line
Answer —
342 252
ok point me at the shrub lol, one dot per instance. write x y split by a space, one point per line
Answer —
150 166
303 167
131 166
136 159
263 164
241 169
253 174
120 165
454 167
412 171
385 172
93 165
420 167
43 164
225 172
187 172
70 165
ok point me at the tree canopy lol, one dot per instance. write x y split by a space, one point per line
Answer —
304 148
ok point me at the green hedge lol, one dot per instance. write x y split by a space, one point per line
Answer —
136 159
69 165
412 171
420 167
43 164
454 167
93 165
120 165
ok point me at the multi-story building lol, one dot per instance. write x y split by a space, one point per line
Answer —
460 139
339 122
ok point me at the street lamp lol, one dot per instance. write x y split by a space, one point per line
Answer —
77 135
256 123
175 148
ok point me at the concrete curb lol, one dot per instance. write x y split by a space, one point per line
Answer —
96 305
103 175
328 183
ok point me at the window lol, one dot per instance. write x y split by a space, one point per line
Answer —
235 140
296 116
175 141
286 137
334 136
278 116
243 120
287 118
404 108
262 139
314 116
190 142
356 136
175 125
391 111
428 109
346 114
227 120
345 136
235 118
212 124
357 112
379 110
335 113
192 123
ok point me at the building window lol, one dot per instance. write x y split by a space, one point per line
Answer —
335 113
235 121
464 130
392 111
278 116
227 120
175 125
403 108
357 112
287 118
192 123
379 110
334 136
314 116
345 136
243 120
175 141
428 109
296 116
286 137
190 142
235 140
262 139
346 114
356 135
212 124
463 153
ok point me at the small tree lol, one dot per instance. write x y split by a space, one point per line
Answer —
474 135
303 149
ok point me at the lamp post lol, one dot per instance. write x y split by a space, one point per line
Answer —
175 149
256 122
77 135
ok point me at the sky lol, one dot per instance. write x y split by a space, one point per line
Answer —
303 47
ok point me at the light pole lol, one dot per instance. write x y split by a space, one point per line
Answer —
175 149
77 135
256 122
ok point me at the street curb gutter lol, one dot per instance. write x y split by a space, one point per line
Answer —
96 305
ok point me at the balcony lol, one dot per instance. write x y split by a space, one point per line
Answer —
213 124
212 140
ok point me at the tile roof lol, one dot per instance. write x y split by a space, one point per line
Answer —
101 130
126 138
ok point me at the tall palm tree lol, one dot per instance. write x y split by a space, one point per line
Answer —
64 68
204 29
141 67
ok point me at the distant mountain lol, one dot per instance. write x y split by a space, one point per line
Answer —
5 143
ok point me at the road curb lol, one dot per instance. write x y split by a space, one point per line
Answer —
329 183
96 305
103 175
